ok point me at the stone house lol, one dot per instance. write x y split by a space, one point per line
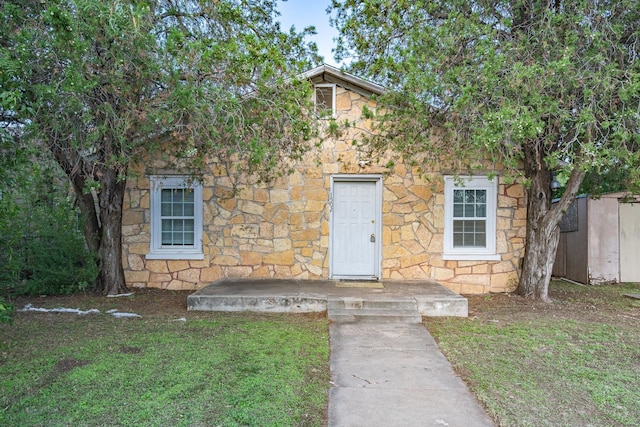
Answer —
338 216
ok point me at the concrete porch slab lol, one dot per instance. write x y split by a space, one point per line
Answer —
305 296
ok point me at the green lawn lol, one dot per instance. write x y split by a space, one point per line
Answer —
213 369
574 362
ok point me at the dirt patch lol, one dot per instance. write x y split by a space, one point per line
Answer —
67 364
568 302
145 302
130 350
590 303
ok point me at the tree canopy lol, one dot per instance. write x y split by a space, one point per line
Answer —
537 87
101 84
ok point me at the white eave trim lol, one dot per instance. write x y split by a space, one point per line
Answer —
343 76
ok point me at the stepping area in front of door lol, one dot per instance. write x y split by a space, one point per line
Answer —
359 284
306 296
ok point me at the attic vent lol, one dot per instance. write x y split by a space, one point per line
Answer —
325 100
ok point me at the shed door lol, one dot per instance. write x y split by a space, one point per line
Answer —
354 233
629 242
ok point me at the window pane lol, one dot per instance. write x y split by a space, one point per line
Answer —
188 238
469 234
167 238
165 203
176 209
469 211
175 205
481 240
481 203
458 196
458 240
324 99
469 196
188 209
166 196
458 210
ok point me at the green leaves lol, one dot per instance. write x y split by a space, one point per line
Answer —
6 311
185 83
115 71
507 75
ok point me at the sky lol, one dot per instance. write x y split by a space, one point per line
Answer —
303 13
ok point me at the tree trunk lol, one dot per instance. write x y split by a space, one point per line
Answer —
111 279
90 223
73 166
102 224
541 240
543 231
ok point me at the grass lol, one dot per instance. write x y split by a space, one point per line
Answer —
213 369
574 362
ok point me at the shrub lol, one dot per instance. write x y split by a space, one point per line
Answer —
44 251
6 311
10 263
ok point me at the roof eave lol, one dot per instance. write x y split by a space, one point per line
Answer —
335 75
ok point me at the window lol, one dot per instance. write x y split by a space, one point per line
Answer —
176 218
325 100
470 218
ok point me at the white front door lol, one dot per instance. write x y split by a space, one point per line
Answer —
355 225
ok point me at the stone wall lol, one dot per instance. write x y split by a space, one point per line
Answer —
283 230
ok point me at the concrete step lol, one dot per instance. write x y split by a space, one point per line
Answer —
443 306
380 315
358 303
299 296
373 309
257 303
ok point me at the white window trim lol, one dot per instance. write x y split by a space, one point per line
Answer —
156 250
487 253
333 99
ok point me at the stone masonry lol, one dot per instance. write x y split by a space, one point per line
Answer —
282 231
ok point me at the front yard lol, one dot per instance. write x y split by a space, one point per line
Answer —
168 368
574 362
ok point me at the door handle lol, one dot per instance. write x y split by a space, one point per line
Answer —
373 237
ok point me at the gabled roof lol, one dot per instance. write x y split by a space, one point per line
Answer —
328 74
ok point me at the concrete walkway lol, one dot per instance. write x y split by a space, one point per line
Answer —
386 368
393 374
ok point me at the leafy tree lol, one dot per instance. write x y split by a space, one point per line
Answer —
102 84
611 180
536 86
